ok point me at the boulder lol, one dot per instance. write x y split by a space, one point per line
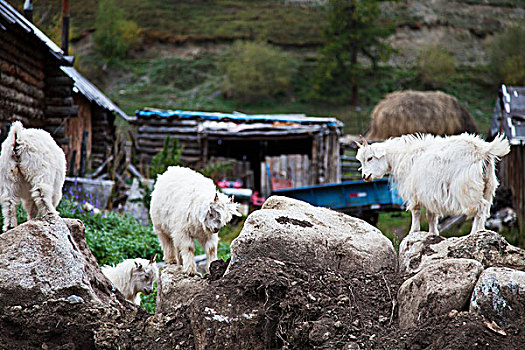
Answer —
499 295
176 289
42 259
419 249
289 230
52 292
436 290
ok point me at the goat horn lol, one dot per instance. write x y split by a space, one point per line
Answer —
153 259
232 198
216 197
363 140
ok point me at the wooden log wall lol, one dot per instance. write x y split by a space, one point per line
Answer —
152 132
33 88
512 175
21 79
59 105
103 135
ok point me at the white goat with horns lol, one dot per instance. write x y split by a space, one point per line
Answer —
186 206
451 175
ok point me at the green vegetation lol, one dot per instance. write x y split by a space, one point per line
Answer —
507 57
255 71
435 66
353 29
114 35
113 237
169 156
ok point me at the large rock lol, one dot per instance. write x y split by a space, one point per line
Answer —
289 230
499 295
175 289
420 249
41 259
436 290
52 292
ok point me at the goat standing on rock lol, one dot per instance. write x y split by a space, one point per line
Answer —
451 175
186 206
133 277
32 170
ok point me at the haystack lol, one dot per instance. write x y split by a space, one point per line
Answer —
408 112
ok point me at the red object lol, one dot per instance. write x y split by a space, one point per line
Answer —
256 200
230 183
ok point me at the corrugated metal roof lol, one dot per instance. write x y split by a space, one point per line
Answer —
10 15
91 92
511 113
239 117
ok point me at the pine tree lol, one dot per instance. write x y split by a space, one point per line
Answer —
353 31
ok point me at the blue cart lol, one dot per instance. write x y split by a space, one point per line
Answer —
357 198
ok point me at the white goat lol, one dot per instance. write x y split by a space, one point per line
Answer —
133 277
32 170
186 206
451 175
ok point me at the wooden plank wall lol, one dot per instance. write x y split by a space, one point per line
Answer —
349 164
152 132
75 128
512 175
286 171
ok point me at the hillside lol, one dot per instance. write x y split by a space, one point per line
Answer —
177 63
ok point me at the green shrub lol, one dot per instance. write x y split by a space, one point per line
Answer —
435 66
114 35
169 155
507 57
256 70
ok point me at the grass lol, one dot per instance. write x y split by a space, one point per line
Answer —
175 21
196 84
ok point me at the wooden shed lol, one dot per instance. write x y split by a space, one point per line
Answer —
509 118
277 150
39 87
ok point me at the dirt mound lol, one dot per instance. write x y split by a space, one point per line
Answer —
289 301
265 303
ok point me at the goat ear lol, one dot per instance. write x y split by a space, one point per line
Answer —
152 260
216 197
232 198
358 144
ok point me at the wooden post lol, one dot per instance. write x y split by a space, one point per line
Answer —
28 10
65 26
83 153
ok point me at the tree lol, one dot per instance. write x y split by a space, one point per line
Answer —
352 30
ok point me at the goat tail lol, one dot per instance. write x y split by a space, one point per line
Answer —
9 144
499 146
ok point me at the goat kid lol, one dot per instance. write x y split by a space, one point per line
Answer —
185 206
32 171
451 175
133 277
